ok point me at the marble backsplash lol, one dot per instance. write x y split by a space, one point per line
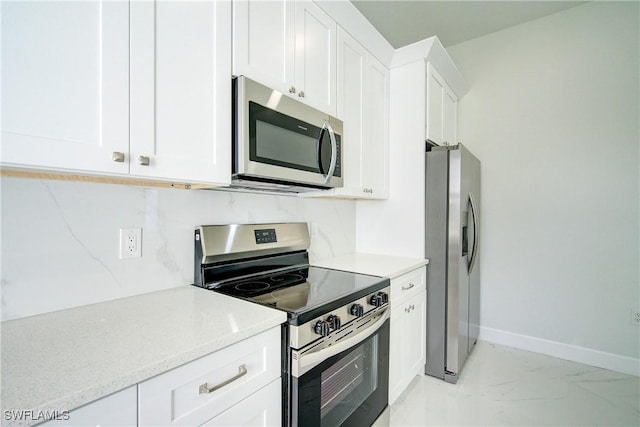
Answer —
60 239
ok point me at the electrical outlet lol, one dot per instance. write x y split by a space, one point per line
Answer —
635 317
130 243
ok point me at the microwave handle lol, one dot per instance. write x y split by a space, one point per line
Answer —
334 151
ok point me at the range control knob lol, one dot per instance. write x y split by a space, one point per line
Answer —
385 297
357 310
334 322
379 299
322 327
376 300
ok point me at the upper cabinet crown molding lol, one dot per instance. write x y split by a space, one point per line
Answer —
431 50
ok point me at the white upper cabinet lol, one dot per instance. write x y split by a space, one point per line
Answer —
375 158
135 88
181 91
315 57
289 46
363 94
442 105
65 85
264 42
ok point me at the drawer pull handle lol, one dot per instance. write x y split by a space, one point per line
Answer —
406 288
205 389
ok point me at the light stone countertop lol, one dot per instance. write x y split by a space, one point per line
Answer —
65 359
374 264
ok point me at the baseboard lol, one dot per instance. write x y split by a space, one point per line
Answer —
587 356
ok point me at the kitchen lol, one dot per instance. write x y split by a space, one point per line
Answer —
538 118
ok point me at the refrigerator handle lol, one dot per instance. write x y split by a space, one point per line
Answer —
474 216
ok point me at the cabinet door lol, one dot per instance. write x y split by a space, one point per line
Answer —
375 158
65 79
264 42
449 116
435 90
352 59
261 409
315 63
363 93
415 329
181 90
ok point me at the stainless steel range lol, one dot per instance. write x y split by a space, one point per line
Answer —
336 340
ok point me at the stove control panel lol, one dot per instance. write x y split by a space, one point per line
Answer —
338 322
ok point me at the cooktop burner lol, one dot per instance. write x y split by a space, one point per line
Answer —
263 284
303 292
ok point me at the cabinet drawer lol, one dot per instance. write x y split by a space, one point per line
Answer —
261 409
194 393
408 285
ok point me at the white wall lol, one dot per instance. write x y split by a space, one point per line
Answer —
553 113
60 239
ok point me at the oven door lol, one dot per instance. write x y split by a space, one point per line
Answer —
348 388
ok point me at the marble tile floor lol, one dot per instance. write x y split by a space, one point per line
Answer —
510 387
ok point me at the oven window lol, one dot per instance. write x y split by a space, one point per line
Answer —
348 383
349 389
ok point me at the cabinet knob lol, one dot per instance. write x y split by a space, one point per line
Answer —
301 94
292 89
117 156
143 161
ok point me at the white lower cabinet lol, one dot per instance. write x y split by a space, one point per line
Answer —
263 408
238 385
407 355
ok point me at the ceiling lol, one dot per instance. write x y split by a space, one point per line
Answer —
403 22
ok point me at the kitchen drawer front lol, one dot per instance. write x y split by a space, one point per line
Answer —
408 285
261 409
184 395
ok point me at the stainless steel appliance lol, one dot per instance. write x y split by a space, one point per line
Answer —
281 144
336 339
453 276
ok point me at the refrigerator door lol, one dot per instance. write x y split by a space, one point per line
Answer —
474 264
462 254
436 210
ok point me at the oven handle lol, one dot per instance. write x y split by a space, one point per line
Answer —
309 361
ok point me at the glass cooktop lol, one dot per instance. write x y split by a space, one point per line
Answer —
304 293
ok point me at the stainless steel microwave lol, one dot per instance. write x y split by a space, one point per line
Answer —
281 144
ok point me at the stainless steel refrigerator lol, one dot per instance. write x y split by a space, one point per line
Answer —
452 243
